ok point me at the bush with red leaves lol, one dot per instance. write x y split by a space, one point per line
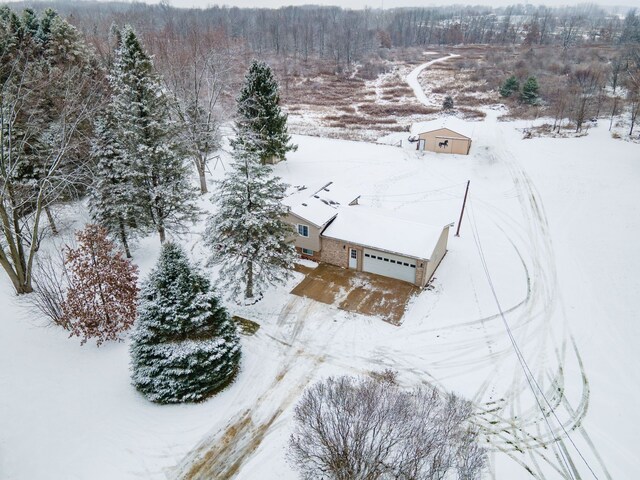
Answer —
101 299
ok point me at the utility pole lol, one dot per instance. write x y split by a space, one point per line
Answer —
464 202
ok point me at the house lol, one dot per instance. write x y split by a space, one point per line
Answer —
443 140
311 209
332 227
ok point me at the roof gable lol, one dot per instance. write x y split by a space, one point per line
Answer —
445 132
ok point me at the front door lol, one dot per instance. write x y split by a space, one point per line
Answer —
353 258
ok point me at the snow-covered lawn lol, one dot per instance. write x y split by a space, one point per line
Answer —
556 222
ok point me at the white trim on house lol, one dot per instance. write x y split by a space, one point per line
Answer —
301 227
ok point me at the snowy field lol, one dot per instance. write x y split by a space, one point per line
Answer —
550 222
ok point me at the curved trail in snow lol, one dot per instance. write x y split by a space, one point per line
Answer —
412 78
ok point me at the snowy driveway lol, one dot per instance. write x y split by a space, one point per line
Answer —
358 292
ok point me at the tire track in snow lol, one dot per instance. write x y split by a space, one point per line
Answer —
544 297
222 453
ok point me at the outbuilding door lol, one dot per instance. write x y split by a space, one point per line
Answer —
388 265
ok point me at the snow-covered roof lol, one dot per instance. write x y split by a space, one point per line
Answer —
361 225
314 211
449 122
319 205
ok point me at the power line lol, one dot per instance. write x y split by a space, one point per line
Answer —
523 363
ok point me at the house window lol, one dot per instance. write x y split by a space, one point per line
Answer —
303 230
386 259
306 251
367 255
354 253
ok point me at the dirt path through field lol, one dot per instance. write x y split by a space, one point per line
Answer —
412 78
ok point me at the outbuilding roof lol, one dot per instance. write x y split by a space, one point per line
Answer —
363 226
446 133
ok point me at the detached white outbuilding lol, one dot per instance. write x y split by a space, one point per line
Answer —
444 140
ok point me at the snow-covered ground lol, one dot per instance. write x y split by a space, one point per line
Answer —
554 221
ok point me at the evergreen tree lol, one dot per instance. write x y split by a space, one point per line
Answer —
184 345
448 103
113 201
529 93
248 235
509 86
101 300
261 126
150 140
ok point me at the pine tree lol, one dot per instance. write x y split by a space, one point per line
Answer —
150 140
184 345
448 103
248 235
529 93
509 86
261 127
113 200
101 300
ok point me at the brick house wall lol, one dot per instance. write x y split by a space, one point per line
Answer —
316 257
334 252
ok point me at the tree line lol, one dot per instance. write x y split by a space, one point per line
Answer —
345 36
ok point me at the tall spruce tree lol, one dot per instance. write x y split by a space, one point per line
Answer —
261 127
248 235
184 345
150 140
113 202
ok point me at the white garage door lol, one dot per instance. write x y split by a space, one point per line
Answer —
389 265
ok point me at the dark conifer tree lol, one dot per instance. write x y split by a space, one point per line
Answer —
150 140
529 93
113 196
509 86
185 347
261 127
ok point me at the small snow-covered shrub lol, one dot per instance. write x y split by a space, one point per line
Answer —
185 347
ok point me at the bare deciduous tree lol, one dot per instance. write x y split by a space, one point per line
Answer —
585 85
350 428
50 286
196 69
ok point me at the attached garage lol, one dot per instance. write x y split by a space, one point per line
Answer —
388 265
444 140
364 240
